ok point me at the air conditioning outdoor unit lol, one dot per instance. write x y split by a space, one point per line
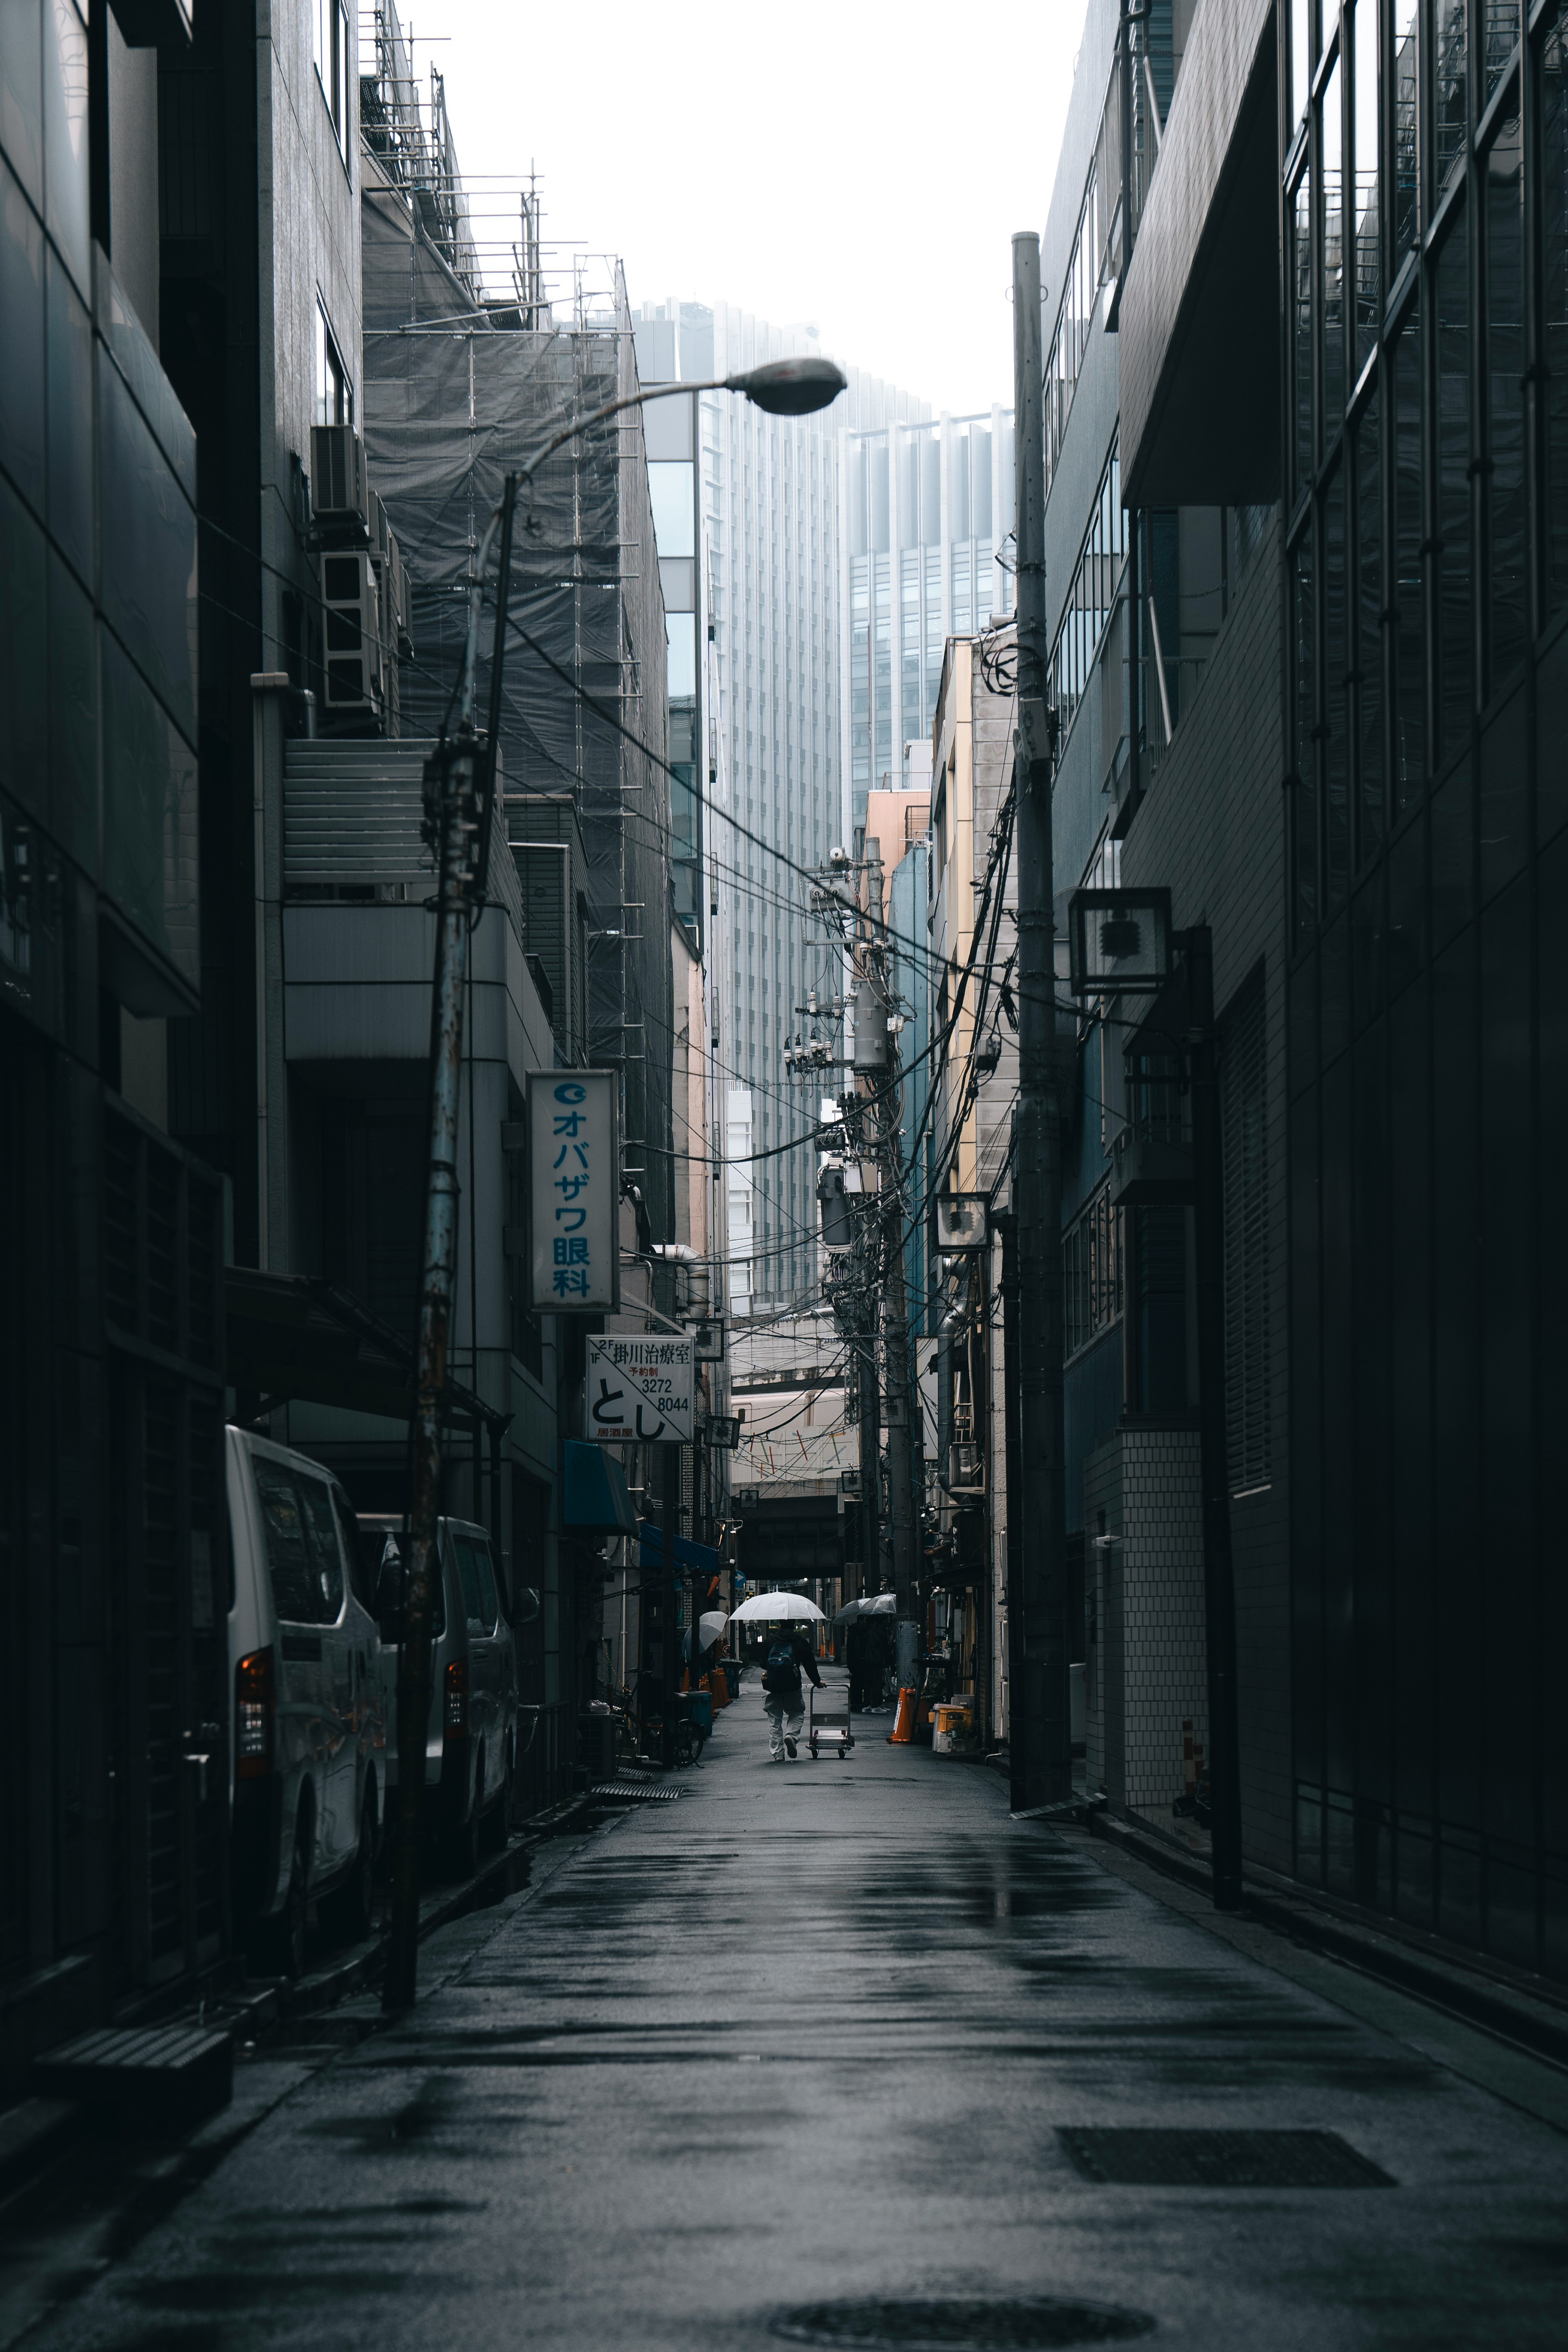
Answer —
963 1467
351 623
340 494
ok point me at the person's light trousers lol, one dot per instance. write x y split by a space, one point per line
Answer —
785 1719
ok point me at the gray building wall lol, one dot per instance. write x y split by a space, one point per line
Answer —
1211 830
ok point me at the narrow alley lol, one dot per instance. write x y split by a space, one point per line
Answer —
813 2038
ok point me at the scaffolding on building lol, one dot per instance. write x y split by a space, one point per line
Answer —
458 394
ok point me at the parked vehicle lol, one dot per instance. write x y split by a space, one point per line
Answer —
471 1744
307 1766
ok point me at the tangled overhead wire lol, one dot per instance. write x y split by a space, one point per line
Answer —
1000 659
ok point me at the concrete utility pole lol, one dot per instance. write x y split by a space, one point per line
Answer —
1038 1648
670 1658
888 1225
457 824
864 1343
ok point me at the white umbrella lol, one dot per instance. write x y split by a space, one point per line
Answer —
874 1604
710 1625
770 1608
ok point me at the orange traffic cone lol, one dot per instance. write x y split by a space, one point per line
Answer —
903 1731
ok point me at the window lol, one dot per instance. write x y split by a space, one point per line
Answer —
302 1554
1505 417
1330 146
1091 1274
1074 319
334 385
1551 85
1453 455
331 47
1242 1087
478 1580
1092 597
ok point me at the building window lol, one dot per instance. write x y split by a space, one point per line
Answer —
334 385
1091 600
331 43
1091 1274
1243 1095
1413 520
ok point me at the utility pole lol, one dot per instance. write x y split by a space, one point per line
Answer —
457 826
888 1225
670 1658
1038 1647
870 1433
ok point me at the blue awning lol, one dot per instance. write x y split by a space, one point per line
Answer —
689 1555
594 1497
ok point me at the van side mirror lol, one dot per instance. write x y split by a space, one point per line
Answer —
529 1606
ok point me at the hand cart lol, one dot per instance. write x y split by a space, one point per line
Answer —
828 1728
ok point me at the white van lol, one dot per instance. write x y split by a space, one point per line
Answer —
308 1771
471 1741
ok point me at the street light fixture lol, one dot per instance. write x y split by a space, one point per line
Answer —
459 807
1119 941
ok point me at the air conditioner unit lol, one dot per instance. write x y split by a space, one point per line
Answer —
340 494
351 624
963 1468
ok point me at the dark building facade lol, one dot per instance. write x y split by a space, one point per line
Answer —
112 1550
1373 824
1425 210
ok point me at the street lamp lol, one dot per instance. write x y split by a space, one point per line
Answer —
459 808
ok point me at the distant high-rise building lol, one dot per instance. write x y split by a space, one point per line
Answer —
924 527
768 585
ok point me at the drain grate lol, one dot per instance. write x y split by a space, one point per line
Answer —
960 2324
632 1792
1220 2159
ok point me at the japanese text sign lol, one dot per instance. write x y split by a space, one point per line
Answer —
575 1164
639 1389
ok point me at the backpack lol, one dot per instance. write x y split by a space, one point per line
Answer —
781 1669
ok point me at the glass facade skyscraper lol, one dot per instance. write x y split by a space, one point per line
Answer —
770 620
924 532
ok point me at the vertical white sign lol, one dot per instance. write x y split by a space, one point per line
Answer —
575 1163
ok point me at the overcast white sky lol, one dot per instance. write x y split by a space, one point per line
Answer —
860 165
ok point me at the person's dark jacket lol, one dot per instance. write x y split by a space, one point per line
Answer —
804 1657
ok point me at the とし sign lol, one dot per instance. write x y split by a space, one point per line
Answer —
574 1161
639 1389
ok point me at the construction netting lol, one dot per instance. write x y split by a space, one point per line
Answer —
455 397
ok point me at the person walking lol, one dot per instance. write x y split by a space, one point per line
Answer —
783 1697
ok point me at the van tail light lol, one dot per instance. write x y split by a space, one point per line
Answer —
256 1714
454 1721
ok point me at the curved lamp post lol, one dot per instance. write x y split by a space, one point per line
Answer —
459 805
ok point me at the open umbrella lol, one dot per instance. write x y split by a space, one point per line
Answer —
874 1604
772 1608
710 1625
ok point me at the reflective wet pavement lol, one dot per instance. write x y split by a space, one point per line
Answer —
814 2031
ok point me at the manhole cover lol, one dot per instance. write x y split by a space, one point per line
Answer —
961 2324
1220 2159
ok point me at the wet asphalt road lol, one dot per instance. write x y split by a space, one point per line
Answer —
812 2030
